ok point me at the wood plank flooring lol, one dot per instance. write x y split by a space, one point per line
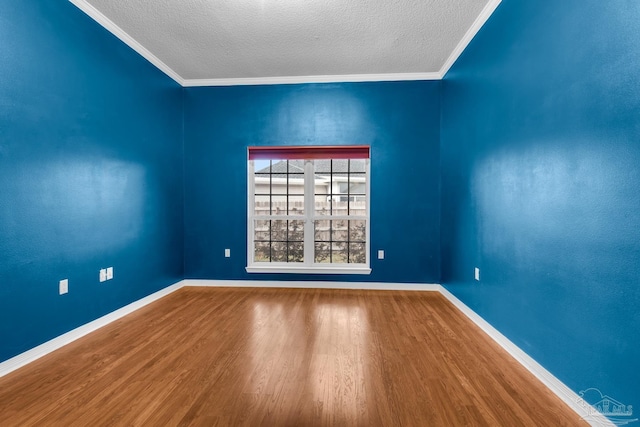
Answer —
283 357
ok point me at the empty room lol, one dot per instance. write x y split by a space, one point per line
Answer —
297 213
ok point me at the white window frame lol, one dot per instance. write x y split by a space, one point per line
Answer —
309 217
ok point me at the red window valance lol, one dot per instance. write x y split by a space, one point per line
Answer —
310 152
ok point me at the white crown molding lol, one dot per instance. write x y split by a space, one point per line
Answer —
469 35
110 26
345 78
549 380
35 353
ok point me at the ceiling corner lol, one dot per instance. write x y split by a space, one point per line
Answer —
482 18
114 29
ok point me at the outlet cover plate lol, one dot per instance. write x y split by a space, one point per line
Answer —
64 286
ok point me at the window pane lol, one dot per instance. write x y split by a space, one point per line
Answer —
322 232
296 205
296 184
261 166
357 231
278 205
279 252
323 205
262 251
296 166
339 252
357 253
339 234
357 205
279 230
357 165
322 184
296 252
340 206
321 253
261 236
322 166
262 185
278 167
262 205
261 230
296 231
339 167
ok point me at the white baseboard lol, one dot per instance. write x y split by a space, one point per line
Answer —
35 353
312 285
549 380
567 395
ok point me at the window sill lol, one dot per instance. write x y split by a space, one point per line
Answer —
307 270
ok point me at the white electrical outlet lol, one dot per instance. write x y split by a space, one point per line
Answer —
477 273
103 274
109 273
227 253
380 254
64 286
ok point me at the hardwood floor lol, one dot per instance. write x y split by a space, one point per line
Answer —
283 357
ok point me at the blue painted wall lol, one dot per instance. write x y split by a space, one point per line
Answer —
541 185
90 173
399 120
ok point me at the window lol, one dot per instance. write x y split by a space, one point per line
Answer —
308 210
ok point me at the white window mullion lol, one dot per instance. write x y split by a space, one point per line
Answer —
368 209
280 217
250 212
344 217
309 211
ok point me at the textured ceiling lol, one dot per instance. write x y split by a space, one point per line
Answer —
231 40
